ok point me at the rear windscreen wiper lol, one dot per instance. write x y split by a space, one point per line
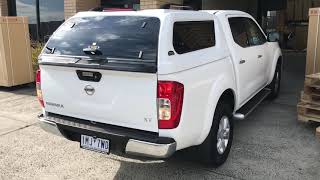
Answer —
92 60
51 49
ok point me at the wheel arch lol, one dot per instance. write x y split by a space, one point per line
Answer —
227 94
278 58
280 61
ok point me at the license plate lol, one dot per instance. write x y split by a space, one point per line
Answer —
95 144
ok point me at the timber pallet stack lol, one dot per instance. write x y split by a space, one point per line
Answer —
309 106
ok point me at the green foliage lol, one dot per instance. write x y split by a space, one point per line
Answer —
36 48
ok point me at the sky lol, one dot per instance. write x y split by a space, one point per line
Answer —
50 10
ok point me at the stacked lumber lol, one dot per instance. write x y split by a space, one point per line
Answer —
309 106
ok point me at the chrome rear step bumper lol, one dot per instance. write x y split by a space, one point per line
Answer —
135 147
152 150
50 127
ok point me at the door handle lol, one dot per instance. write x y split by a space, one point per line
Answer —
242 61
260 56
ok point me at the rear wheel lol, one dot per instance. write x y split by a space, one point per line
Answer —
216 147
276 83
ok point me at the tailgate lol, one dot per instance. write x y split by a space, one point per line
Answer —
127 99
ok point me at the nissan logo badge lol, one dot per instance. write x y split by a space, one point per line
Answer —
89 90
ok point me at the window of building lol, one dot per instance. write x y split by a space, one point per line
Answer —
193 35
28 8
51 15
131 4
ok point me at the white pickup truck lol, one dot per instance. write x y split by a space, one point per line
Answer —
153 82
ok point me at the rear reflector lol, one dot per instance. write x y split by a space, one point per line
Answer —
38 85
170 100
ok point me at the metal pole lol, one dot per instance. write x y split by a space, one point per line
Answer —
38 20
259 12
12 8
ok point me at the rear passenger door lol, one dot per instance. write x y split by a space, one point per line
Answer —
247 54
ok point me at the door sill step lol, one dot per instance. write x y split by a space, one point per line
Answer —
246 109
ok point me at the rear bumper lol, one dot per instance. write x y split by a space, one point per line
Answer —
147 149
128 141
50 127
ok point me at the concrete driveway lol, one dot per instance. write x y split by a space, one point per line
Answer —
270 144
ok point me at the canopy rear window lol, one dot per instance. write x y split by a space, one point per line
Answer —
124 37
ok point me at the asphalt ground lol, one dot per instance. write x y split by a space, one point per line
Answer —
269 144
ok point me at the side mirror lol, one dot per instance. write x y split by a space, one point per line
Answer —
273 36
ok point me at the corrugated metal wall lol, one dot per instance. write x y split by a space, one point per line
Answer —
250 6
297 10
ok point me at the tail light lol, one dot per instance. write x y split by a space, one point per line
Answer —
170 100
38 85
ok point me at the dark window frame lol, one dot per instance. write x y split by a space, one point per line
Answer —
119 58
247 19
259 30
243 29
189 22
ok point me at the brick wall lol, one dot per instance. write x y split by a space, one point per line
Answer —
154 4
3 8
71 7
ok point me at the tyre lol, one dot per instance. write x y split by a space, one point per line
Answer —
276 83
215 149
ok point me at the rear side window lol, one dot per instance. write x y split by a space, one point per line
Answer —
193 35
126 37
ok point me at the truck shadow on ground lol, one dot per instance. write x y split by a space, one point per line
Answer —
25 89
182 165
